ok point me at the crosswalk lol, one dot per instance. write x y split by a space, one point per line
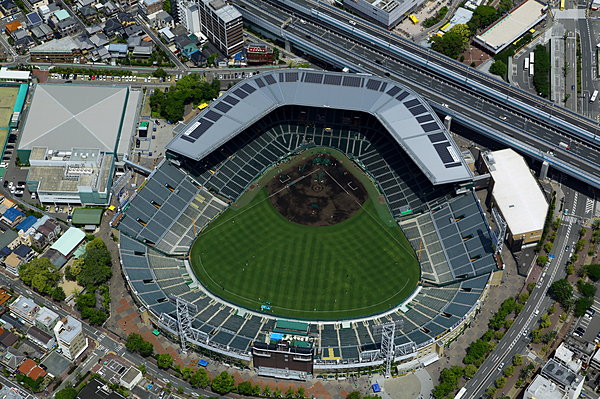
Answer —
589 205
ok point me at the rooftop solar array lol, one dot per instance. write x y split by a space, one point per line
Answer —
406 116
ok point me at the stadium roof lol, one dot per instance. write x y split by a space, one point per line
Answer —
517 193
68 116
407 117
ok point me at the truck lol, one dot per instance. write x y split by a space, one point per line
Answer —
346 70
564 146
531 57
526 67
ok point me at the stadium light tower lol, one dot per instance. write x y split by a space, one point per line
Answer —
501 226
184 321
387 351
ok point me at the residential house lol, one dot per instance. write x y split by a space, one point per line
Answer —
47 11
117 50
38 3
67 26
39 337
45 320
148 7
12 262
50 229
12 217
198 58
91 30
83 3
88 12
42 32
162 19
132 31
12 27
84 43
125 18
7 7
33 19
31 370
24 308
12 358
108 8
167 34
23 40
99 39
112 27
26 224
9 239
58 50
142 52
185 45
7 338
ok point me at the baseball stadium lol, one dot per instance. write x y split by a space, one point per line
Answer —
322 214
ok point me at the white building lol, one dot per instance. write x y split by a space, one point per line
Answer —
189 15
24 308
45 320
131 378
70 337
384 12
555 382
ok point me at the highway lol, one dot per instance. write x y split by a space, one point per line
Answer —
525 125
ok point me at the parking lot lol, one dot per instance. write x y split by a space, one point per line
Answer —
70 78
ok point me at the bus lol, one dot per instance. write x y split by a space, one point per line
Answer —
530 69
526 67
593 96
413 18
461 393
562 5
531 57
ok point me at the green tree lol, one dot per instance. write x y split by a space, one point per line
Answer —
499 68
518 359
167 6
530 287
40 275
223 383
200 379
97 264
541 77
58 294
67 393
300 394
500 382
159 72
545 321
470 371
586 289
245 388
562 291
449 380
453 42
482 17
164 360
508 370
582 304
593 271
541 260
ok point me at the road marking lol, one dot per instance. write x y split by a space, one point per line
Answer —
589 205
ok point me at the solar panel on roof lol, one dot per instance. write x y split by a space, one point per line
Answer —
260 82
424 118
402 96
291 76
313 77
187 138
437 137
383 86
442 150
240 93
212 115
419 109
430 127
270 79
249 88
231 100
393 91
373 84
203 127
223 107
352 81
412 103
332 80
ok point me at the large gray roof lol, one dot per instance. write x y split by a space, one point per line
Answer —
66 116
406 116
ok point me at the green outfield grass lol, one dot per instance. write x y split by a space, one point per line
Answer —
252 255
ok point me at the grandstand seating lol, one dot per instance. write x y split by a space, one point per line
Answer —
170 210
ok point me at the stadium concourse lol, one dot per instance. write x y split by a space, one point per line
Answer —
387 130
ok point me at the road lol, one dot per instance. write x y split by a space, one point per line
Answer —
517 337
160 44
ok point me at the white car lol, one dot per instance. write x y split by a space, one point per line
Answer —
33 195
3 165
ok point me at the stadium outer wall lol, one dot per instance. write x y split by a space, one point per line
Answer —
424 355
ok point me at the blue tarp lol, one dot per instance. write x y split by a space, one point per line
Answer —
276 336
376 388
202 363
